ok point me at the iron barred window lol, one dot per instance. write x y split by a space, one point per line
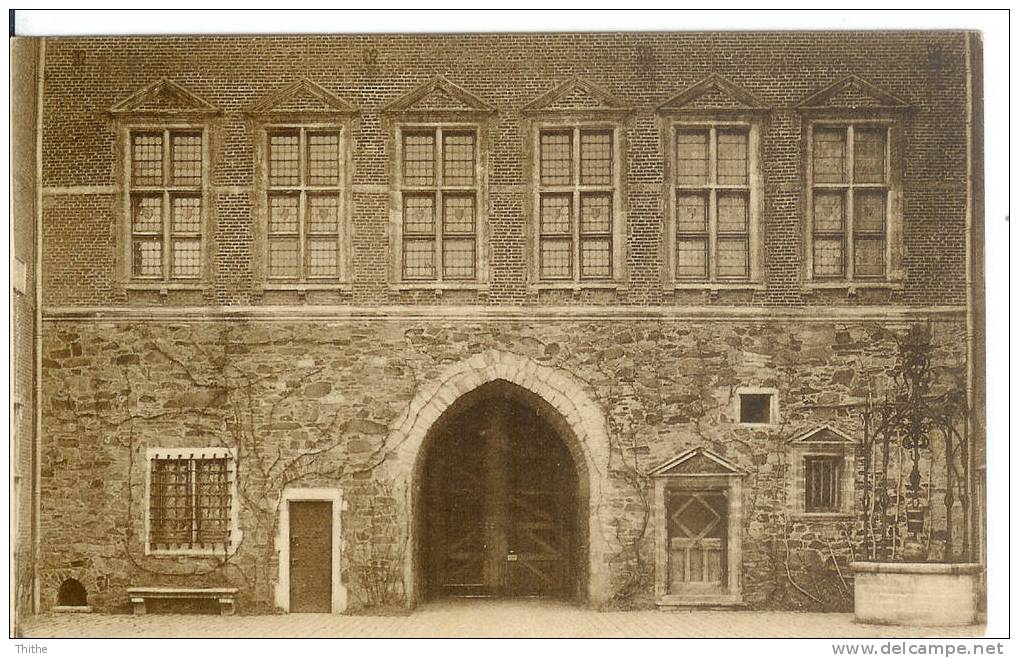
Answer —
576 188
166 182
439 199
303 202
712 204
822 483
190 499
850 196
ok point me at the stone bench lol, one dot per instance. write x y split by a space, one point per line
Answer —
224 595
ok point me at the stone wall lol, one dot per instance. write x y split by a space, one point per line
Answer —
326 403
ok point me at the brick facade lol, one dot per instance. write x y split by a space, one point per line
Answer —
355 374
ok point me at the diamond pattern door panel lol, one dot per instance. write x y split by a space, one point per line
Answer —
696 522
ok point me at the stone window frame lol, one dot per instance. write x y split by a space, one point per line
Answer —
892 122
439 123
752 122
126 129
774 416
615 126
800 449
217 549
263 126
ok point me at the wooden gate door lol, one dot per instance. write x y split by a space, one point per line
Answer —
311 534
500 508
540 516
697 523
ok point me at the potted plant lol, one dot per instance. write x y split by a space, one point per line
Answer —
917 566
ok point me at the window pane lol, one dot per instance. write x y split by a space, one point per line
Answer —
186 158
148 214
595 158
869 155
755 407
458 158
556 258
458 258
283 213
458 213
596 213
419 214
828 257
869 256
322 257
213 502
829 211
186 215
869 211
324 159
284 159
732 158
419 159
595 258
147 258
733 258
556 158
171 502
186 258
147 159
692 157
691 213
821 483
829 155
692 258
556 213
283 258
323 214
732 213
419 259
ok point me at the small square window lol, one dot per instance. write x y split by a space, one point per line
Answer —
755 408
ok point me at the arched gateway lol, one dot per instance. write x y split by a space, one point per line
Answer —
526 439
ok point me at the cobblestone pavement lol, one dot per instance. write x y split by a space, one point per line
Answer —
483 619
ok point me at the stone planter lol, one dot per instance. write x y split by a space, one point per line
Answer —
916 593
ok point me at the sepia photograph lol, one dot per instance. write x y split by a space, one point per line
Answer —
461 331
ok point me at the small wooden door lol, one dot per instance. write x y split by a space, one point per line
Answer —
697 523
311 533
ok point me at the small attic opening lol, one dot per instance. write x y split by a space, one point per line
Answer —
72 594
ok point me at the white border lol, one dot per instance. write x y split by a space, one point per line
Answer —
995 31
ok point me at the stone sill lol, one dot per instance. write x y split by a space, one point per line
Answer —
304 287
577 286
218 551
711 286
854 285
438 286
675 601
164 285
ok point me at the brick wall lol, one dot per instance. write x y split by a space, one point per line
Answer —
87 76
